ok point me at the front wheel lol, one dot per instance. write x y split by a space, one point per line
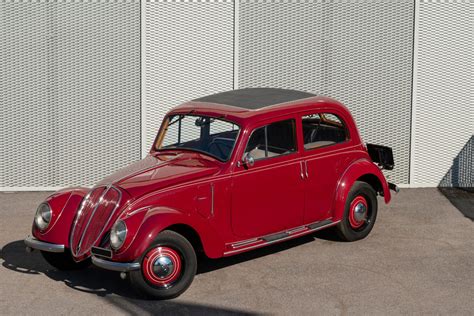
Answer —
360 212
167 268
64 260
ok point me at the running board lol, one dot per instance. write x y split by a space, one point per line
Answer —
319 224
275 236
249 244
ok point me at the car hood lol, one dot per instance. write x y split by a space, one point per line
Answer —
158 171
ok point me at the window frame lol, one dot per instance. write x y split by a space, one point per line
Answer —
320 113
295 138
165 124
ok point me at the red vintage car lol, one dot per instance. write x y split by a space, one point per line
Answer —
227 173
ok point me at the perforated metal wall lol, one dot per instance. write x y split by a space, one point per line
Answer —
70 90
443 118
188 54
357 51
70 76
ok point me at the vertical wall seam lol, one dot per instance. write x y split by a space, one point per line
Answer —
141 81
416 20
143 149
236 45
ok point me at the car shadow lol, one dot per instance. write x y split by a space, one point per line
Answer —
208 265
103 283
109 285
92 280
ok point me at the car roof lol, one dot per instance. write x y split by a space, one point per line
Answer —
255 98
245 105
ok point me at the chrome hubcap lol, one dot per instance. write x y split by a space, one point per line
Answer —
360 212
163 267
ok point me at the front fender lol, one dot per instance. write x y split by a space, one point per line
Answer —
355 171
64 205
157 219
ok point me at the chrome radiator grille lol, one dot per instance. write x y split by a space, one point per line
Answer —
92 218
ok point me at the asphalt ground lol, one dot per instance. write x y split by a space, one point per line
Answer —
419 259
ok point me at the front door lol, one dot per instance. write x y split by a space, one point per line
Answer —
268 196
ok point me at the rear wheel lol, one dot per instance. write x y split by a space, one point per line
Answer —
64 260
360 212
167 269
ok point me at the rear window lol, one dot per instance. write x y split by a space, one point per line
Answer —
322 130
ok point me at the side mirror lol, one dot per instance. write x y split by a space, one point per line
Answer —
248 160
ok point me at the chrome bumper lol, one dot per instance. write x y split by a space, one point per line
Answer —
115 266
33 243
393 187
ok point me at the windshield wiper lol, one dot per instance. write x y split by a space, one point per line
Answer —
180 117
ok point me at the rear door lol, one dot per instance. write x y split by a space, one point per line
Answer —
268 197
325 148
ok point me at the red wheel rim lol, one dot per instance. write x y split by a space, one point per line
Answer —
358 212
162 266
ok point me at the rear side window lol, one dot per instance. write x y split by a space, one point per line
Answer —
323 129
272 140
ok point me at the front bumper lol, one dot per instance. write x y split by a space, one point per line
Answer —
33 243
115 266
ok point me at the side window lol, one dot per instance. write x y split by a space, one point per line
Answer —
272 140
323 129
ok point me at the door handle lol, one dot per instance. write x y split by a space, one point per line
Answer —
306 168
301 170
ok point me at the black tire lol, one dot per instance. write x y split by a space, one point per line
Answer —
181 246
64 260
347 231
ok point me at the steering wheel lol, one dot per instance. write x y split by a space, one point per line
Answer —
220 146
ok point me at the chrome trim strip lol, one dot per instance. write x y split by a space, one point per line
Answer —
243 242
264 243
34 243
296 230
99 201
115 266
319 224
76 219
138 210
119 200
76 252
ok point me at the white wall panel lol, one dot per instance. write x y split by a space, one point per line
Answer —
70 91
357 51
188 53
26 117
70 74
443 120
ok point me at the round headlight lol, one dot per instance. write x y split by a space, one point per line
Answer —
43 216
118 234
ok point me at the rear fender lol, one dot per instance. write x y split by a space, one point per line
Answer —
355 171
158 219
64 205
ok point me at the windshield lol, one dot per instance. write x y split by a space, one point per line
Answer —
212 136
